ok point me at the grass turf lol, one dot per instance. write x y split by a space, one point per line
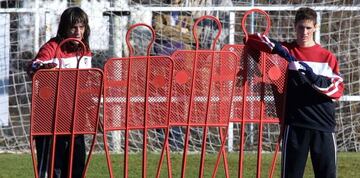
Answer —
20 165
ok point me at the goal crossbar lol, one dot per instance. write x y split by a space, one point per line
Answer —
207 8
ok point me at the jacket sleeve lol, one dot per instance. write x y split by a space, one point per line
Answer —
332 84
44 56
325 76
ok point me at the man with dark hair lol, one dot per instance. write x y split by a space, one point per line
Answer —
73 24
313 83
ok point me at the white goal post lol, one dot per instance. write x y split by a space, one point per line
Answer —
338 32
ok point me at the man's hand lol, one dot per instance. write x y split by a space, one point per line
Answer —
260 42
308 72
48 65
35 66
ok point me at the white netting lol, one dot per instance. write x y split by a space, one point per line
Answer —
25 25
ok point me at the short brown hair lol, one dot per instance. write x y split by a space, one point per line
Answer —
305 13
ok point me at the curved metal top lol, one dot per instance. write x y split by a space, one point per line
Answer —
83 47
217 21
131 49
247 13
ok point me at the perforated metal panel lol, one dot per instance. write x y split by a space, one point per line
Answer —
56 100
260 79
200 89
148 97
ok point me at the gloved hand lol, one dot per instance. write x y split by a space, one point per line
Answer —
308 72
282 51
35 66
259 42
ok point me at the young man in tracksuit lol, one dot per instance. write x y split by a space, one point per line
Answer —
313 84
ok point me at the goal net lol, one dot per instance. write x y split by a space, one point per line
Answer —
26 25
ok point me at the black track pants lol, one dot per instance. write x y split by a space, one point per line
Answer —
297 142
62 151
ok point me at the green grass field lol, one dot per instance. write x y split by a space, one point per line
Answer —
20 165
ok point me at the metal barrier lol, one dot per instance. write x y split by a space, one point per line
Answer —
190 89
65 102
203 85
261 82
145 84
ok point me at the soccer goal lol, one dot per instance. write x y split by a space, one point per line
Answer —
25 25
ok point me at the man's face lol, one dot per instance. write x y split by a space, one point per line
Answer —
77 31
305 32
